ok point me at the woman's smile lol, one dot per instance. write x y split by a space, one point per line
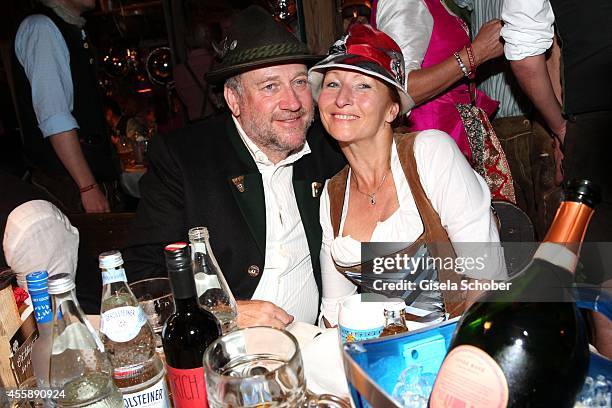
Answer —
343 116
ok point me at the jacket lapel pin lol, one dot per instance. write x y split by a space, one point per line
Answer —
316 189
239 183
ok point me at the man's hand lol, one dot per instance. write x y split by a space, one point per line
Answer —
558 156
532 74
487 44
261 313
94 201
559 131
68 149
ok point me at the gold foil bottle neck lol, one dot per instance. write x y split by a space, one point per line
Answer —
570 225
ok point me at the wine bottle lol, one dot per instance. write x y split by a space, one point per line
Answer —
527 346
128 338
187 332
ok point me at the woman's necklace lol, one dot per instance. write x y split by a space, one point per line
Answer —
372 195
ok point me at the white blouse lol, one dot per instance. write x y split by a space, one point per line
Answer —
459 195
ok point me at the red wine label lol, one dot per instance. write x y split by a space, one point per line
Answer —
188 387
469 377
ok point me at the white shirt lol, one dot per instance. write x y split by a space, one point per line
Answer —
459 195
287 279
410 24
43 53
497 81
528 28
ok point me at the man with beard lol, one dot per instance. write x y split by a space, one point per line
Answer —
252 177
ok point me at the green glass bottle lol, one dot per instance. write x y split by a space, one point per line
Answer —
527 346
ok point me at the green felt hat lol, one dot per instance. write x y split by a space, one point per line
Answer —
255 40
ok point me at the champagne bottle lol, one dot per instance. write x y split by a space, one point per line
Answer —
214 294
525 347
129 339
187 332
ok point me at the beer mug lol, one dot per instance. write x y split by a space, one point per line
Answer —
259 366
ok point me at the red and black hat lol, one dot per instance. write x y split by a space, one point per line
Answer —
367 50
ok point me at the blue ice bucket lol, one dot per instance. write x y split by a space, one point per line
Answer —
374 366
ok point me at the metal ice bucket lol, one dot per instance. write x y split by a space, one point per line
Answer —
373 366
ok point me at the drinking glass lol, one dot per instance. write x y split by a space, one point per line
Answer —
139 147
155 297
259 366
125 152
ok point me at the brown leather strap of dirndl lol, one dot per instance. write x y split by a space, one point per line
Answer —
438 243
336 189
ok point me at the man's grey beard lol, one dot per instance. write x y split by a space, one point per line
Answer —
58 8
270 139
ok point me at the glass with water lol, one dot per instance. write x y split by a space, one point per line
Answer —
155 297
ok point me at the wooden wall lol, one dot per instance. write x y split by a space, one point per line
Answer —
323 23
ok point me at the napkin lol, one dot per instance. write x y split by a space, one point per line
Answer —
322 357
39 237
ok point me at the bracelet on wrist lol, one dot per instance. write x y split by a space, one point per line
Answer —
87 188
462 66
472 61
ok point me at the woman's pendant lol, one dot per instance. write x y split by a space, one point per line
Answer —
373 199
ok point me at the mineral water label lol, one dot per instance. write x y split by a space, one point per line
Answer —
113 275
469 377
155 396
123 323
188 387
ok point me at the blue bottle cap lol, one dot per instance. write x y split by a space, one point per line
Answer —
37 286
37 280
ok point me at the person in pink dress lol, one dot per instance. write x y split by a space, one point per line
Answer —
440 61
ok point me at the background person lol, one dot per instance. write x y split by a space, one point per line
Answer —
65 135
428 35
526 142
582 124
